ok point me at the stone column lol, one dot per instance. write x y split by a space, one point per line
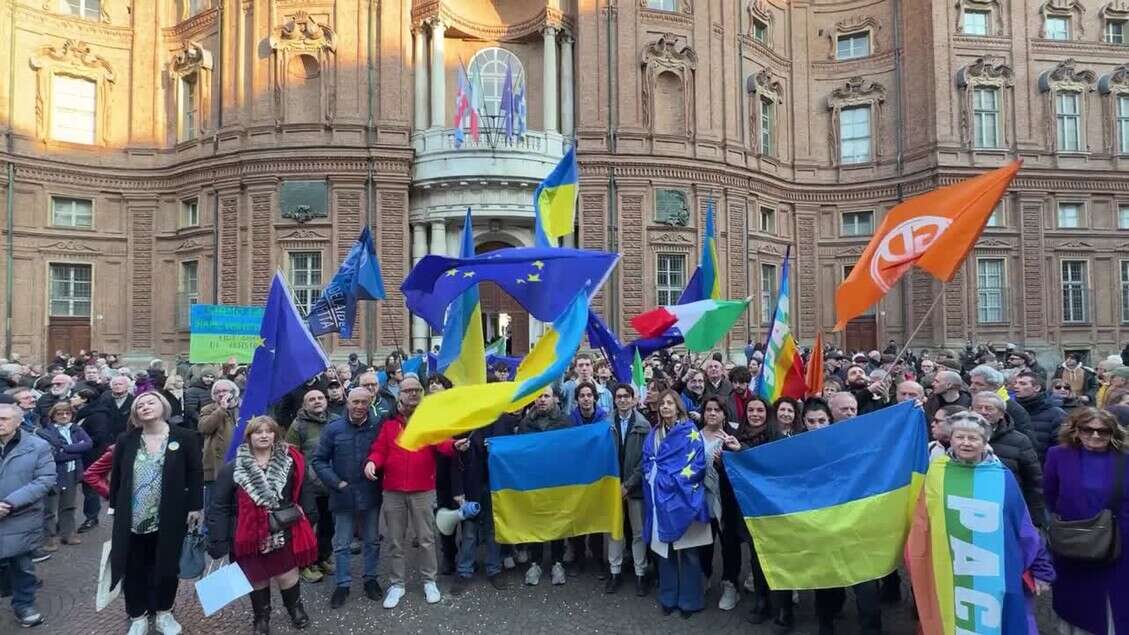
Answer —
549 78
438 247
420 64
567 127
438 76
419 250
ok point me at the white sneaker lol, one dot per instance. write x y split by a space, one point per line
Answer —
392 598
522 555
729 596
508 562
139 626
432 592
167 624
558 573
110 512
750 583
533 576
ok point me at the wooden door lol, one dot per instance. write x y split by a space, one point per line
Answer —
68 334
861 334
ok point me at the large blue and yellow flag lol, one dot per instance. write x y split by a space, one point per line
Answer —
832 507
554 202
543 280
553 485
465 408
705 284
463 352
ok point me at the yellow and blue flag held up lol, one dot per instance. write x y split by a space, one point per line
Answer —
465 408
832 507
553 485
705 284
463 352
554 202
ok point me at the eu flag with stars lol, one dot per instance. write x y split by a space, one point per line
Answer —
286 358
676 472
358 279
543 280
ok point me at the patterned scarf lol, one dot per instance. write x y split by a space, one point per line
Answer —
264 487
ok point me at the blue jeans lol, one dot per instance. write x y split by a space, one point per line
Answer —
680 580
479 531
343 537
21 580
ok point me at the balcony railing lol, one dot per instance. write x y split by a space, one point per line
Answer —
526 158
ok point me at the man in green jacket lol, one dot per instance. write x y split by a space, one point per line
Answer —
304 434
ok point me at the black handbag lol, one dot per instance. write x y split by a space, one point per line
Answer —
283 517
1093 540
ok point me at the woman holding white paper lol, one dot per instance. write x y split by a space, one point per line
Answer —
258 516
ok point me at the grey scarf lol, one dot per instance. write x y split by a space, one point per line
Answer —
263 486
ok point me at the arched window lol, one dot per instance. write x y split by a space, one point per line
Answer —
489 67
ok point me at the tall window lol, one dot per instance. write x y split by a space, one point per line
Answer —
670 278
986 117
490 64
1125 291
190 213
990 285
1123 217
760 31
975 22
1068 120
852 46
1075 300
1123 123
997 217
768 293
1069 215
661 5
73 107
854 134
768 220
305 278
88 9
69 295
1114 32
768 123
189 290
858 223
1057 27
188 107
72 212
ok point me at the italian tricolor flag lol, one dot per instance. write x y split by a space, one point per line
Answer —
702 324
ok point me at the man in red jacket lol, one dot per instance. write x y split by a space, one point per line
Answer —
409 493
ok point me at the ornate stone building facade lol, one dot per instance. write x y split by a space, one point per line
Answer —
166 152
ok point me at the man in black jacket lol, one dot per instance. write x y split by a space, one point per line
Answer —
1045 416
985 378
1015 450
120 401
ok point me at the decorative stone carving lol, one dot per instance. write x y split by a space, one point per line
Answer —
69 246
851 25
991 72
1115 82
664 55
303 35
1065 77
857 92
758 11
1118 10
986 70
1072 9
764 85
191 59
75 59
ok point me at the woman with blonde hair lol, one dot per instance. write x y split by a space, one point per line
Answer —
1086 473
258 517
156 494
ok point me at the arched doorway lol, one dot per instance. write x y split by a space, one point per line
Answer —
502 316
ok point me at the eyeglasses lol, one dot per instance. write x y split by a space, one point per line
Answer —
1099 432
412 391
1058 386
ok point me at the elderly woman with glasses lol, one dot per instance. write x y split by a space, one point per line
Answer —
1015 450
68 443
1079 481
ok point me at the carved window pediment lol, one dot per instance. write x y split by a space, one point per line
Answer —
1065 77
190 85
759 26
667 55
1069 9
986 70
857 25
981 125
1115 82
75 59
857 92
304 52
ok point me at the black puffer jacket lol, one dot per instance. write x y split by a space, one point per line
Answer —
1045 421
1016 451
96 419
196 396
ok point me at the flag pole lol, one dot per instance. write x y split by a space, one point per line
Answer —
920 324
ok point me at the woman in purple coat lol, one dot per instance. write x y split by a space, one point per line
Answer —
1078 480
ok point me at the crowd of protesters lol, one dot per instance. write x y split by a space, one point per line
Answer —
322 480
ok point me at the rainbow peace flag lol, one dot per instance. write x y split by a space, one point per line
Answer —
554 202
831 507
964 551
782 373
553 485
465 408
463 350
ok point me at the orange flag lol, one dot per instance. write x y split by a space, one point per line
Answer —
814 378
934 231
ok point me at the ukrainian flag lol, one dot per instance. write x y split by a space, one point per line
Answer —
553 485
463 352
705 284
465 408
554 202
832 507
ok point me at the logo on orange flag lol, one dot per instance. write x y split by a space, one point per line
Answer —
934 231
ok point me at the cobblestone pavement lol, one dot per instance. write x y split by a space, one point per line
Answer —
580 606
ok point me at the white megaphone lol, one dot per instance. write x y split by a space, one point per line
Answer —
448 519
